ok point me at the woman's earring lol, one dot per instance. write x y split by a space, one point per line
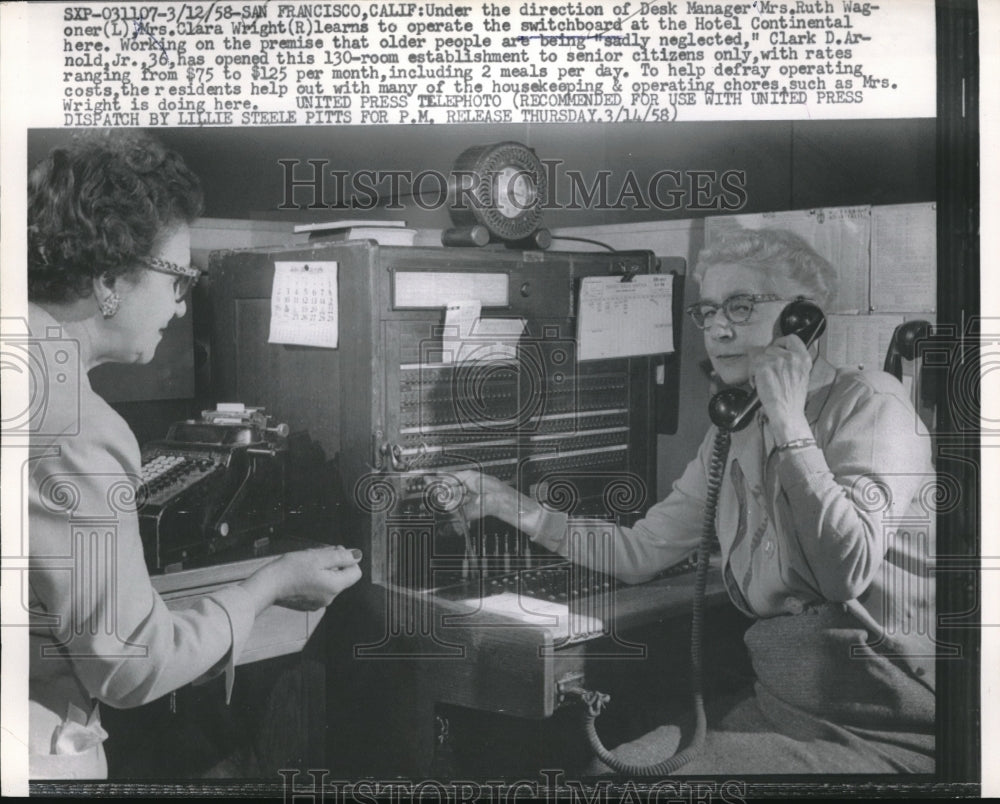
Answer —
109 305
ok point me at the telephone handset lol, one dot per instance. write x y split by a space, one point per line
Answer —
732 408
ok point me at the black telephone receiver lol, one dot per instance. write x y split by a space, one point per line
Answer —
903 345
732 408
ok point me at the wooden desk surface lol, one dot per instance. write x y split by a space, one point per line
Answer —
479 656
468 652
277 631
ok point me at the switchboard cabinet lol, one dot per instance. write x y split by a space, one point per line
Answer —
406 399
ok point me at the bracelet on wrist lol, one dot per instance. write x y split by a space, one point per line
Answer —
522 511
796 443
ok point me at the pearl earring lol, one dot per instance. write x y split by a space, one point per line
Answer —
109 305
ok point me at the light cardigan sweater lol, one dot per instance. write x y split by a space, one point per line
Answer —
850 520
98 629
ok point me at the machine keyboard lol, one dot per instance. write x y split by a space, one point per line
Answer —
164 475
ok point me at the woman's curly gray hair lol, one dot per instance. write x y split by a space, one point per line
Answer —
781 256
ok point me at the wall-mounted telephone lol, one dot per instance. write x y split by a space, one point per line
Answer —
909 340
732 408
903 345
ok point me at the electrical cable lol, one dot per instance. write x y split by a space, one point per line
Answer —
585 240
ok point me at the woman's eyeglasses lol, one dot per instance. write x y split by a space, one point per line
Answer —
737 309
185 276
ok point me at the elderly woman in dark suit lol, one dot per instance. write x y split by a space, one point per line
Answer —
108 268
823 527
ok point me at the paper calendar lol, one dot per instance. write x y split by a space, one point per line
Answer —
304 307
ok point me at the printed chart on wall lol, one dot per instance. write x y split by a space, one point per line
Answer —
841 235
904 258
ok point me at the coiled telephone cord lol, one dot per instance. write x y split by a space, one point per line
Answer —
594 701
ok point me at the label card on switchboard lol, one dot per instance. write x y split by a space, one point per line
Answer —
468 337
304 307
625 319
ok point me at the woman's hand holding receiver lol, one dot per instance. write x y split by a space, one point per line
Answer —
780 375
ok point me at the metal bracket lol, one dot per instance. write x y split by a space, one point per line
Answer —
570 685
386 452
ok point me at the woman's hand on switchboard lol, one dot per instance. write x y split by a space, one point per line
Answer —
483 495
306 580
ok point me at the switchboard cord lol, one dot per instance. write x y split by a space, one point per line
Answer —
594 701
461 522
